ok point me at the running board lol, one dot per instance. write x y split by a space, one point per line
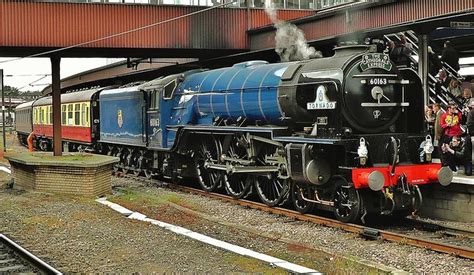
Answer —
250 169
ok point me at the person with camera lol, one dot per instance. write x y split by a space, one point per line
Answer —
458 152
451 123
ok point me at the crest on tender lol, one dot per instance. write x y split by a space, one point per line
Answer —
120 118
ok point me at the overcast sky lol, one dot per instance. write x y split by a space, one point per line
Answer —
28 74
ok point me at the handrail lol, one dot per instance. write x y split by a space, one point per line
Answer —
445 96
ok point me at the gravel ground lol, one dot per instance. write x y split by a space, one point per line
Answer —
397 256
80 235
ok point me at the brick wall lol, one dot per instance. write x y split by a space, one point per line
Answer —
454 202
24 176
87 181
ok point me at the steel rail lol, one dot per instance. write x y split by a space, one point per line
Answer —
464 252
25 254
431 226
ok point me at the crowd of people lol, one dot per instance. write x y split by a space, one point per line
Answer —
451 125
453 131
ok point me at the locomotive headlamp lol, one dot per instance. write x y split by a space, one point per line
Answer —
428 148
363 152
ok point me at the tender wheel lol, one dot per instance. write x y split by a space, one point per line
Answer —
110 150
117 152
299 203
148 174
347 202
238 185
126 160
208 152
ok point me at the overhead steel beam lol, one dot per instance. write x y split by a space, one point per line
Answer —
56 79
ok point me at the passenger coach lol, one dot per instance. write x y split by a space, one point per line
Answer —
79 119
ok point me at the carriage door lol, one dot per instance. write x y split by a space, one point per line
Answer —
155 134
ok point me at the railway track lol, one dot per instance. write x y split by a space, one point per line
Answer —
400 235
15 259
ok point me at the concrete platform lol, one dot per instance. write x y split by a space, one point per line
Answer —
453 202
462 179
72 173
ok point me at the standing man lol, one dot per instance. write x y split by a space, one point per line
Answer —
437 124
450 56
451 123
438 130
470 122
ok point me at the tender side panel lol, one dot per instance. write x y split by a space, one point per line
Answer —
122 113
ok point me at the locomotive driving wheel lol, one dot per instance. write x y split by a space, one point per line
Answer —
298 191
237 185
347 202
207 153
270 187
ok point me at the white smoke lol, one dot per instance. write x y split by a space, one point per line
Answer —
291 44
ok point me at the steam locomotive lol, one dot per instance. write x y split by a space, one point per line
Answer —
343 133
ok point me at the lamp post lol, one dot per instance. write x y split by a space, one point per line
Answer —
3 113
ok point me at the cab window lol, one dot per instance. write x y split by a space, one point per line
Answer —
169 89
155 99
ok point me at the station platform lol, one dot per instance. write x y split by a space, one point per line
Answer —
454 202
463 179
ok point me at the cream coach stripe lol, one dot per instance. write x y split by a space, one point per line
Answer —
214 242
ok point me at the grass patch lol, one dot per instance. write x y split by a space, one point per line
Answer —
72 157
249 265
134 197
46 221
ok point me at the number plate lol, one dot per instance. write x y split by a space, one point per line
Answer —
378 81
321 105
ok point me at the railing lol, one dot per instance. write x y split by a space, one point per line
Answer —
443 95
278 4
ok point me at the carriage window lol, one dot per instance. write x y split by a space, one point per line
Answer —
45 115
83 114
77 114
70 114
41 113
87 116
50 114
169 89
63 114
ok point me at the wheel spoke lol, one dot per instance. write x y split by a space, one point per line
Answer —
207 152
347 202
237 185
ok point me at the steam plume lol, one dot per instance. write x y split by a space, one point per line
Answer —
291 44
